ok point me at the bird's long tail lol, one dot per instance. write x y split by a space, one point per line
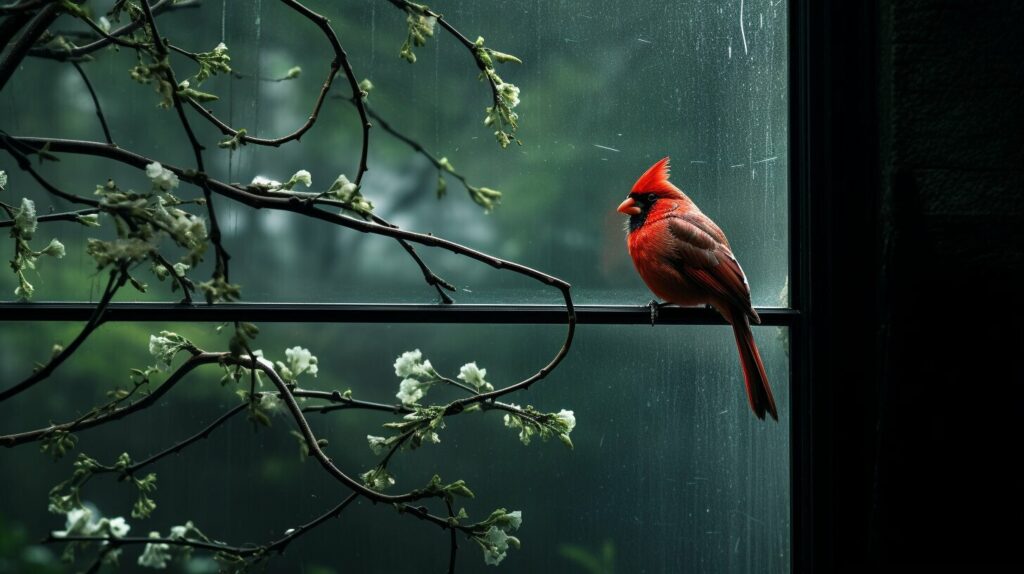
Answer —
758 392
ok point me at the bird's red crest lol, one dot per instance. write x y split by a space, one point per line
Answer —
655 180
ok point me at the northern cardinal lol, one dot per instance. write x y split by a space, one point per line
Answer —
684 258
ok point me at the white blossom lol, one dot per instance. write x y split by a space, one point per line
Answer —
496 540
54 249
411 364
164 346
265 183
181 531
342 188
376 443
77 523
568 418
271 403
118 527
515 519
258 353
377 478
25 218
156 554
162 177
495 545
474 376
90 220
410 391
301 361
509 94
405 364
302 176
104 24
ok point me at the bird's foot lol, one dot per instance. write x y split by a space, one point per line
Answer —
655 307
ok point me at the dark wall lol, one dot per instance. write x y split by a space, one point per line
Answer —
918 372
953 407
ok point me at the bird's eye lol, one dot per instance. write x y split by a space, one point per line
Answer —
651 197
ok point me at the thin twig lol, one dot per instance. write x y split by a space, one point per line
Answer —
118 277
79 52
32 31
222 256
410 7
176 377
10 27
186 288
17 150
282 543
344 403
178 447
454 545
66 216
95 102
98 562
136 540
277 546
340 59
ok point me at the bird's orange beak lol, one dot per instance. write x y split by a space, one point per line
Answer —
629 207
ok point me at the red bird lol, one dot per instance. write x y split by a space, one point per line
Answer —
684 258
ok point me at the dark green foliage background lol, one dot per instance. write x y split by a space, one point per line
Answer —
669 464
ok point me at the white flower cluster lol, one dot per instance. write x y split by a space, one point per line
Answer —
258 353
568 418
342 188
300 361
164 346
25 218
163 178
54 249
79 522
302 176
377 478
531 422
474 376
266 184
156 555
271 404
509 94
186 228
377 443
496 541
418 375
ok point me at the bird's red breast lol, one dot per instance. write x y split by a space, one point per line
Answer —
680 253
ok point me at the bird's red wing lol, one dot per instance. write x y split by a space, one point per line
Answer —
708 262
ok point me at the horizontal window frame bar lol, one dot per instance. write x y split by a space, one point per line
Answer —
379 313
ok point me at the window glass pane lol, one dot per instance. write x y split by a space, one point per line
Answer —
669 467
608 87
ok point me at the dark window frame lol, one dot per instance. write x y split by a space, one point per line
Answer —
805 88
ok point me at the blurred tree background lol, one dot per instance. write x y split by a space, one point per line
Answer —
670 470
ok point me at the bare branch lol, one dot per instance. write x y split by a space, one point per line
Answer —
95 102
118 277
32 31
